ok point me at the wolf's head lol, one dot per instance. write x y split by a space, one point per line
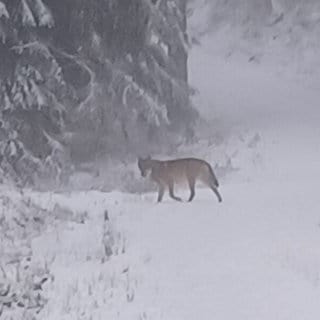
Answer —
144 165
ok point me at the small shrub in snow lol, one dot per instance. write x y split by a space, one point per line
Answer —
113 241
21 278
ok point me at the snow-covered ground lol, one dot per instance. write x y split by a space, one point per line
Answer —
255 256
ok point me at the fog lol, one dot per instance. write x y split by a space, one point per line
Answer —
121 122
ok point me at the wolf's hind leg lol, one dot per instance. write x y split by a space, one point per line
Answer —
171 192
191 183
215 190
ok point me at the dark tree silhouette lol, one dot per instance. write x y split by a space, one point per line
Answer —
85 79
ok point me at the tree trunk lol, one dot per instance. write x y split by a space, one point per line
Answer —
181 55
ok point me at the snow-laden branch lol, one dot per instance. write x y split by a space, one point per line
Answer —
161 23
82 64
3 11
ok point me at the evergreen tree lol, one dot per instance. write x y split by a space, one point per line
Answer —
84 79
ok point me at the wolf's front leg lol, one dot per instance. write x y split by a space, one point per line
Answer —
160 192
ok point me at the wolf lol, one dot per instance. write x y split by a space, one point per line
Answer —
167 173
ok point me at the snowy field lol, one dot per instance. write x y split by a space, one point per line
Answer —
255 256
